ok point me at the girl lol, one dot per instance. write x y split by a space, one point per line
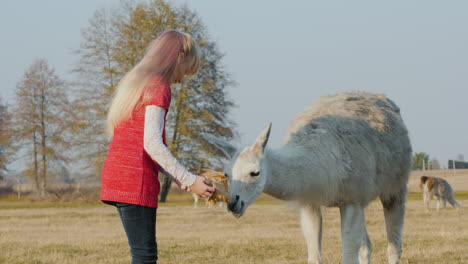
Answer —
136 120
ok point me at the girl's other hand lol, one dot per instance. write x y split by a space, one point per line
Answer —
203 187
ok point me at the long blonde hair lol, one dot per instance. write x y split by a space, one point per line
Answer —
160 60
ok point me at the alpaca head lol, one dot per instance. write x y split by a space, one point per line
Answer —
246 173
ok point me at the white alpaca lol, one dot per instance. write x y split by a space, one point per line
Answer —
343 151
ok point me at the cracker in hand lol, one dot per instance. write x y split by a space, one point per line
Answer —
220 182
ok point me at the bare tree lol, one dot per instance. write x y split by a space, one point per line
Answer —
41 117
420 161
6 148
98 76
435 164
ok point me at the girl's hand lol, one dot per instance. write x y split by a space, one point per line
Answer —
202 187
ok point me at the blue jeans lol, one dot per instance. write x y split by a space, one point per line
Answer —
139 223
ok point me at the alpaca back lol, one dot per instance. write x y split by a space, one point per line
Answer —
361 142
445 191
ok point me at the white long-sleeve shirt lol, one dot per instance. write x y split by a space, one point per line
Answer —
154 146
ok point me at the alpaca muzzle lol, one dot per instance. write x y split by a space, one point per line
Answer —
236 207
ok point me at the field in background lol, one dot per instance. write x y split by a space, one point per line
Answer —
72 227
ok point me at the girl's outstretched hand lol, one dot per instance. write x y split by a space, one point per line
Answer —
202 187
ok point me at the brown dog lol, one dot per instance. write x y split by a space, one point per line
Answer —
438 187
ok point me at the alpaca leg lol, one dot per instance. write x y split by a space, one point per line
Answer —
438 204
365 250
444 202
427 199
355 241
453 202
195 200
394 211
311 223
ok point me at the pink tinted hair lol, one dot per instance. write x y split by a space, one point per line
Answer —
160 60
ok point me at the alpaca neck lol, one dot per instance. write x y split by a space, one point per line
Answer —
292 174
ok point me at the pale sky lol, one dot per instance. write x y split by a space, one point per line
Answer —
286 54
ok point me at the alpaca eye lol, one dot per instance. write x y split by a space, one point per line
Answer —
254 173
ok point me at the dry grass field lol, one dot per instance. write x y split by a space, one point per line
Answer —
65 233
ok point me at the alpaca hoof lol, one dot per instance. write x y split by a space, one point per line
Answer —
314 261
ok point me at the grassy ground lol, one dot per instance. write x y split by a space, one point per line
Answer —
82 230
269 233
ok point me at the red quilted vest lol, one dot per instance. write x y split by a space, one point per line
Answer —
129 174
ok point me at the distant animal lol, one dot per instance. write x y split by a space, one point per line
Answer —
220 182
438 187
343 151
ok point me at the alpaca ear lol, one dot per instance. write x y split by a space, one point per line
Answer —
262 140
225 147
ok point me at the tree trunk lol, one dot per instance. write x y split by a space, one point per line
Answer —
43 146
36 166
165 188
44 167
